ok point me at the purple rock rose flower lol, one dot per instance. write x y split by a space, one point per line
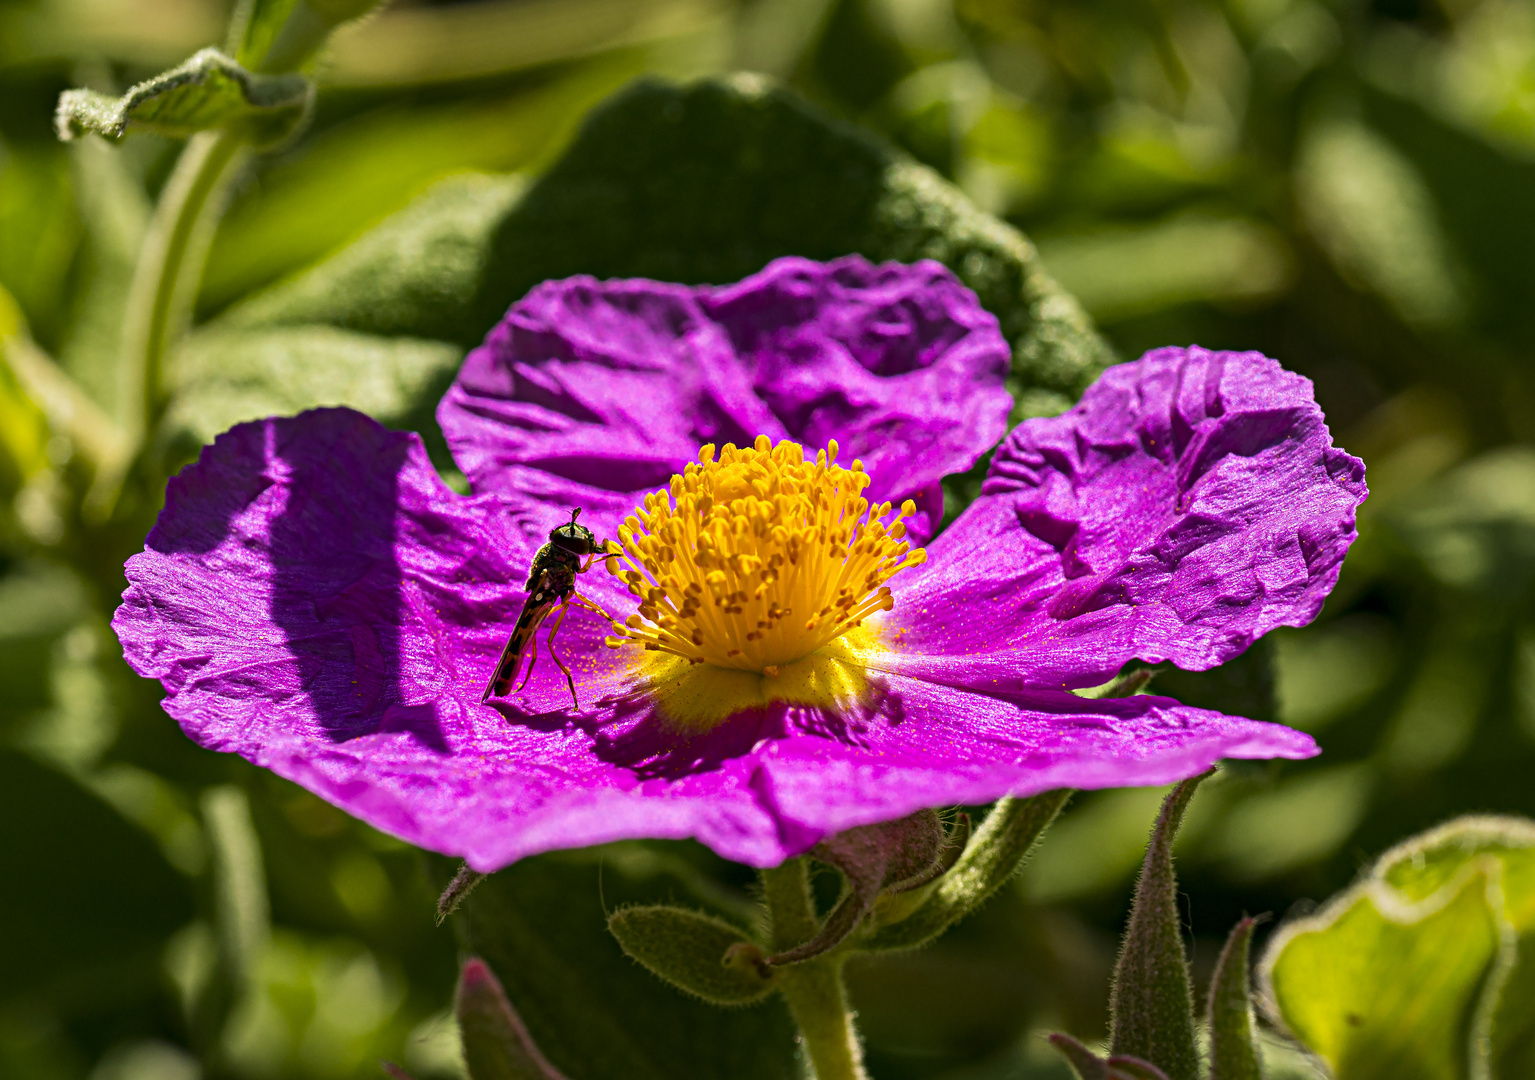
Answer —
785 664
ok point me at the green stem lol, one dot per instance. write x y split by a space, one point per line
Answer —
165 283
817 999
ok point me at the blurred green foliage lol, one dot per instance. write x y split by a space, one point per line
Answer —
1343 184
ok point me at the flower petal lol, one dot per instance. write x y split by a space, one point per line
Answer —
1190 503
590 392
314 599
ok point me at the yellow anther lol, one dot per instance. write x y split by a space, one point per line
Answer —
746 536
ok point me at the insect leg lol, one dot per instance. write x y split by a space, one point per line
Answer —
589 605
532 657
565 607
594 556
511 657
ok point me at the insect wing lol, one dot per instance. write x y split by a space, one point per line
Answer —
532 617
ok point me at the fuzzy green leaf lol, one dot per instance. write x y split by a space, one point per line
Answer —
687 949
706 182
995 853
1233 1040
208 91
497 1045
1152 1005
224 377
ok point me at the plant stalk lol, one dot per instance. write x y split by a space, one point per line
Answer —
813 988
164 287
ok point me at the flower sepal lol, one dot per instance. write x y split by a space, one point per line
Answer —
1152 1003
496 1043
891 857
1089 1066
991 857
899 903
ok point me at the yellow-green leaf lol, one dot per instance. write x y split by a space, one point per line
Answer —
1383 987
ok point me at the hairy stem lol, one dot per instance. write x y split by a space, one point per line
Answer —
817 999
165 282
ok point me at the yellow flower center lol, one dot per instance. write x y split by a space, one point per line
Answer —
759 558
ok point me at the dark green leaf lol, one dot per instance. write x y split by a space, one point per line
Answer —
1152 1005
497 1045
706 182
541 924
687 949
208 91
1233 1045
415 275
223 377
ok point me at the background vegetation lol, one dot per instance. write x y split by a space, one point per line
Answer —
1347 186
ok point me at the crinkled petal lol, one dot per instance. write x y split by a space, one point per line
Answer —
1191 502
314 599
591 393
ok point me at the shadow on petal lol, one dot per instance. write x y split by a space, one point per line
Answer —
336 592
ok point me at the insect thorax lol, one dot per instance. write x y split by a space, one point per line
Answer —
559 564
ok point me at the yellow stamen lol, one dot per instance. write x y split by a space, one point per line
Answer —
759 558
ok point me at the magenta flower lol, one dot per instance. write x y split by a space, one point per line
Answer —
315 599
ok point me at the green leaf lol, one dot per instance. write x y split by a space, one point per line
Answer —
995 853
415 275
687 949
282 35
1152 1006
226 376
497 1045
1381 986
1233 1040
208 91
541 925
1428 863
706 182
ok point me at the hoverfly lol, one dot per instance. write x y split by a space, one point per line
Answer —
551 584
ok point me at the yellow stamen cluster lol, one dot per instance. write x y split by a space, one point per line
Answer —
758 558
